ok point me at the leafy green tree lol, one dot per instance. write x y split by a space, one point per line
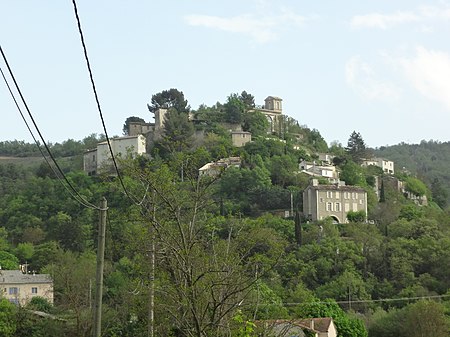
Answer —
439 193
346 326
24 251
8 261
126 125
40 304
7 318
416 186
44 254
424 318
256 123
234 109
317 142
356 216
3 239
282 170
167 99
353 174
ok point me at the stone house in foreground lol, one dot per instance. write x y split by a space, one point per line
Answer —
19 288
334 201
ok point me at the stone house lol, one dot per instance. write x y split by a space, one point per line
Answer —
320 170
319 327
240 138
334 201
99 160
214 169
326 158
19 288
386 165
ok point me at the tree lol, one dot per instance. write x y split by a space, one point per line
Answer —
356 147
166 99
416 186
353 174
356 216
72 275
439 193
8 261
346 326
256 123
7 319
248 100
424 318
316 140
126 125
206 264
178 131
234 109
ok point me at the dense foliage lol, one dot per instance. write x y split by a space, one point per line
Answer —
428 161
224 257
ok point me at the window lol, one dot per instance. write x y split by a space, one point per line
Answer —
337 195
34 290
360 201
321 199
337 207
329 206
13 290
329 194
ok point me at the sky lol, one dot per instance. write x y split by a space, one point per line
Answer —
381 68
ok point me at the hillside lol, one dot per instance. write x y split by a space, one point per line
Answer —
429 161
218 250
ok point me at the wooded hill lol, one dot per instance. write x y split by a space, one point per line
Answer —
224 261
429 161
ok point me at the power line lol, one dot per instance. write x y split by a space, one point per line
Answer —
74 193
290 304
86 57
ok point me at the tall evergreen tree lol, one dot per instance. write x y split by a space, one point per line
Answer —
356 147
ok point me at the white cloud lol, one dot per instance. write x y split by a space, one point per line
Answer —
384 21
361 77
429 73
260 29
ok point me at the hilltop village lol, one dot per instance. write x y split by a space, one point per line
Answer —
326 196
228 220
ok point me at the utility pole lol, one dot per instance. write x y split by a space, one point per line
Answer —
151 300
99 275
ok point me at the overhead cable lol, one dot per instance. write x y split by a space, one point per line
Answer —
61 174
86 57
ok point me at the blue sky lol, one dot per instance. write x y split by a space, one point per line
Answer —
381 68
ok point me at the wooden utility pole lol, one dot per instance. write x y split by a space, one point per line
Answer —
151 300
100 264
